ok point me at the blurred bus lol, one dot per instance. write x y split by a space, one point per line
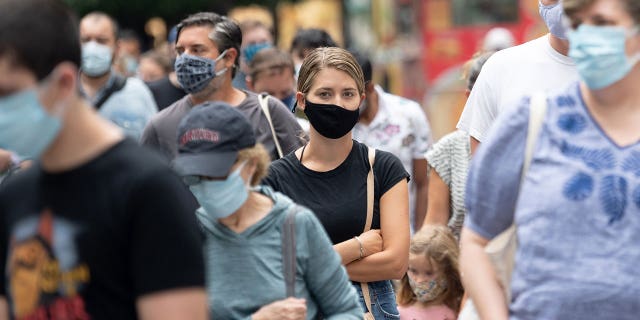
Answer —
452 31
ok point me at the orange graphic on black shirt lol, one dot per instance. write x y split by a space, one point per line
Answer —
39 289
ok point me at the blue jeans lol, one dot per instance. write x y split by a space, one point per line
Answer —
383 300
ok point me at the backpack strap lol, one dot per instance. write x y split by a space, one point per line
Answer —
118 83
263 98
289 250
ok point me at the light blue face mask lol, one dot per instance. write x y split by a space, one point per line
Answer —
25 127
250 51
195 73
96 59
290 102
552 16
220 198
599 54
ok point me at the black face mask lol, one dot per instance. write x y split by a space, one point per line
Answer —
329 120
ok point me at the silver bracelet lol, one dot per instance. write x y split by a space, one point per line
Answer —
361 247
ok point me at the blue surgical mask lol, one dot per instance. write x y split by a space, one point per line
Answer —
250 51
195 73
220 198
290 102
96 59
599 54
552 16
131 64
25 127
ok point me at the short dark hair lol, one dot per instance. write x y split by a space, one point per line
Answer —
38 34
365 64
128 34
309 39
226 32
101 15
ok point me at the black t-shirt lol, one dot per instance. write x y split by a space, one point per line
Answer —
88 242
165 93
338 197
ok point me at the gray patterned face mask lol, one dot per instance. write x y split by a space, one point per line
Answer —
428 291
195 73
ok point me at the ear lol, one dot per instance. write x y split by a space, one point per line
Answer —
63 85
300 101
230 57
248 80
66 78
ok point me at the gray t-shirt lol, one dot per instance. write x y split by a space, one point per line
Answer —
577 216
160 133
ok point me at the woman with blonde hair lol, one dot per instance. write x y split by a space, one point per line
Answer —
329 175
244 225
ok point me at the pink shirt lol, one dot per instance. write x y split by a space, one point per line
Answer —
415 312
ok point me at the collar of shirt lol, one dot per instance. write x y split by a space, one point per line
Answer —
100 92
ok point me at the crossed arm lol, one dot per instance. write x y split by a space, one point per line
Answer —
386 251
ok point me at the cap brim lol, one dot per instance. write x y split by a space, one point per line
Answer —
215 165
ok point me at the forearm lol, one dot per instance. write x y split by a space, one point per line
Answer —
437 216
348 250
420 208
438 209
480 280
421 180
384 265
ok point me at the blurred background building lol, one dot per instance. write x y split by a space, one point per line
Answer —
419 46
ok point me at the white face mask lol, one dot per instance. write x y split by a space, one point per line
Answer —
96 59
552 16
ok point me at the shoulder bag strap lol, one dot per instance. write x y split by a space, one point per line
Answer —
264 104
536 117
370 190
118 83
289 250
367 225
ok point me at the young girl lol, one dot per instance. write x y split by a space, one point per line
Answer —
431 289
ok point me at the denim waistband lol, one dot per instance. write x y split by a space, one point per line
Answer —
383 286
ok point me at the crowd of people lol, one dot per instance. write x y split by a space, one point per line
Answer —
230 179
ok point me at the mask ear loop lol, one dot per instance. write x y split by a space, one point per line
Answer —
633 32
221 72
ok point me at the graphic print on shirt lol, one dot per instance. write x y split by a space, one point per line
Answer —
613 189
43 272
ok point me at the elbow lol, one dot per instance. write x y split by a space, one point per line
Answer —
400 268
